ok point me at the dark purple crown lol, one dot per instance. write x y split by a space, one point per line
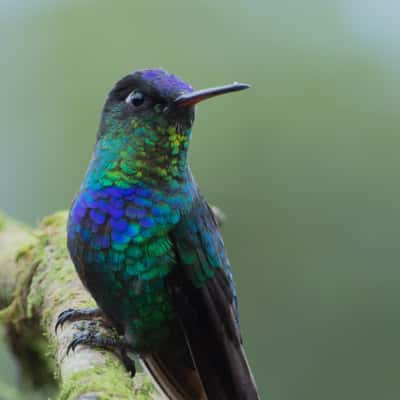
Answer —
167 84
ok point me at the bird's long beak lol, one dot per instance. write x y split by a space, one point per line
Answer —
190 99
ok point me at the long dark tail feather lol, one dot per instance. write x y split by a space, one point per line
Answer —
203 362
175 379
219 358
219 369
178 381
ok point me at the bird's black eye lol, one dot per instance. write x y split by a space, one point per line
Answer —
135 98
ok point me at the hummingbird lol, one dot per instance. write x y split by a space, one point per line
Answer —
147 245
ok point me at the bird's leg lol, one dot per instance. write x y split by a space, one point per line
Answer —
88 314
92 336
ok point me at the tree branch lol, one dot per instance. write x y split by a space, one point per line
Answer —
37 282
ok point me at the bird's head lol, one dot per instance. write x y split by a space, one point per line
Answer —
149 115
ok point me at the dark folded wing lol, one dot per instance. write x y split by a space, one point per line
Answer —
205 301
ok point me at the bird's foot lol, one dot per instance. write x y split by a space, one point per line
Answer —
72 315
114 343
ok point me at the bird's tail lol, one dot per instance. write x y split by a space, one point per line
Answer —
220 371
174 377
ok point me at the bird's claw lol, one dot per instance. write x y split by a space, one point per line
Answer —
63 317
72 314
115 344
86 338
129 363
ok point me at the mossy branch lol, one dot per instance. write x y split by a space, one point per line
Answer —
37 282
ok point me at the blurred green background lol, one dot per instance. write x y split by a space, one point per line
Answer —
305 164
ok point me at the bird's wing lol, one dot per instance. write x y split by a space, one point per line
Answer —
205 301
